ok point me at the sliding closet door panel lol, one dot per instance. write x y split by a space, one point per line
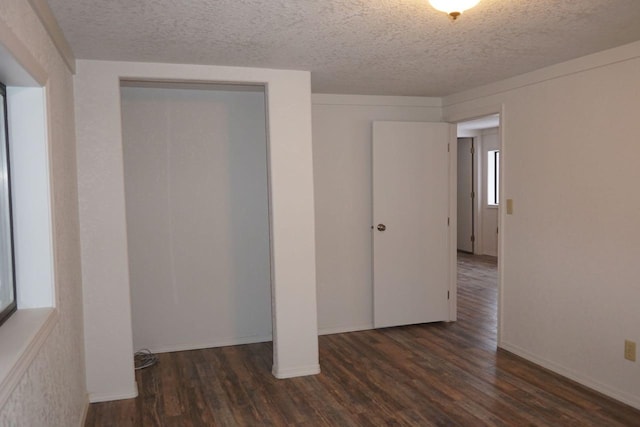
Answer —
197 216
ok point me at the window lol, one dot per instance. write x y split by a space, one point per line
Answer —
26 233
7 268
493 177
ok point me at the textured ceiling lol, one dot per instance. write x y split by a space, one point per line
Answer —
383 47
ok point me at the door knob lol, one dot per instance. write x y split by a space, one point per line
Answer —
382 227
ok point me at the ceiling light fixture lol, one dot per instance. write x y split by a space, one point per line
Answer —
453 8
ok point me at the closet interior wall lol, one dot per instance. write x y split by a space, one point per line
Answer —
195 171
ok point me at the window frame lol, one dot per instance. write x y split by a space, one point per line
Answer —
493 177
13 306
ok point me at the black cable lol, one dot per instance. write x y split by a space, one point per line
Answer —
144 358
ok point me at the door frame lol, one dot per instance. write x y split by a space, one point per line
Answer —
474 189
464 116
453 221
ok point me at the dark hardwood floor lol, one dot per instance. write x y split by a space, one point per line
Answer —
444 374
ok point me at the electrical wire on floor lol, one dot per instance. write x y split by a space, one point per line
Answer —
144 358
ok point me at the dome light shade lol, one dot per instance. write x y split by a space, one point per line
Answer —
453 8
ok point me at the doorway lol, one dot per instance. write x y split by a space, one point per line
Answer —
478 185
479 196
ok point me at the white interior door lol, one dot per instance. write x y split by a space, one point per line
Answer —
465 195
411 255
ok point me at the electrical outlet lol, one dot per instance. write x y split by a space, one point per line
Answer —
630 350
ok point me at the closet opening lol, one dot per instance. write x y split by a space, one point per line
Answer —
197 211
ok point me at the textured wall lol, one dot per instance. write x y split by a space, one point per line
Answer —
343 198
569 252
52 392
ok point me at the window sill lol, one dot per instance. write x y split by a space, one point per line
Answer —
493 206
22 336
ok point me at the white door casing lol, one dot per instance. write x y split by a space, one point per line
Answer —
411 191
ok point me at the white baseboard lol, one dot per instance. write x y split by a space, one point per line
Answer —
343 329
295 372
199 346
108 397
586 381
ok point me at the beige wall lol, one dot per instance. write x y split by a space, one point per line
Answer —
52 391
569 252
342 126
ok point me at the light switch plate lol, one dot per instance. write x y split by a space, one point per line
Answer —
509 206
630 350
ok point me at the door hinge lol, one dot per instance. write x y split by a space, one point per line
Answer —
448 147
473 194
473 150
473 239
448 296
448 220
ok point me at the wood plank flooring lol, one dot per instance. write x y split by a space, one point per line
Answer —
443 374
